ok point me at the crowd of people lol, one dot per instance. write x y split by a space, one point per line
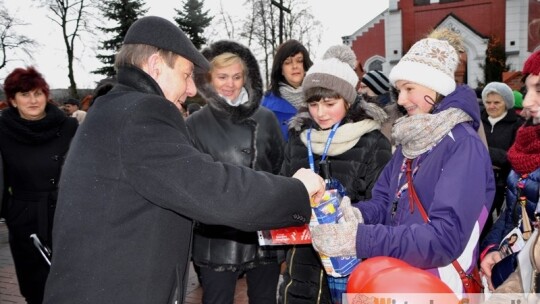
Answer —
143 183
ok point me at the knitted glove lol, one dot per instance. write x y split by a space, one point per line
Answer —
350 213
338 239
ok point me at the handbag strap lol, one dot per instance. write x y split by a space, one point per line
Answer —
413 199
522 201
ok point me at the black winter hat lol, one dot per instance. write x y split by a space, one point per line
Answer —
376 81
163 34
72 101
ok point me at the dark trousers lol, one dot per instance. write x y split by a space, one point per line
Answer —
30 266
219 286
30 213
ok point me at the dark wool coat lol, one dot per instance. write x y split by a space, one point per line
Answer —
357 169
124 217
33 154
247 135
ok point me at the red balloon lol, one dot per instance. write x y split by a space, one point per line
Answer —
388 277
368 268
405 279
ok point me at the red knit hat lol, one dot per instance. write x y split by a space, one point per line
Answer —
532 64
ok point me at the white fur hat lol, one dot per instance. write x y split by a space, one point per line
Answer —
430 62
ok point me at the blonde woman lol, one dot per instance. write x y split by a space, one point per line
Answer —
233 128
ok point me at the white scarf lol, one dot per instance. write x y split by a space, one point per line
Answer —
241 99
345 138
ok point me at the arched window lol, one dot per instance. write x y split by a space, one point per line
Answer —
375 65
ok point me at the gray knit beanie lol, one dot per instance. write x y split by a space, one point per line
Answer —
503 90
332 74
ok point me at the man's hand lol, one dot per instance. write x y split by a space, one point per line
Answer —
314 184
487 264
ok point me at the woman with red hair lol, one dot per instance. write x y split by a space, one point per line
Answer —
34 140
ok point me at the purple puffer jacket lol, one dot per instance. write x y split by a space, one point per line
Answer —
455 184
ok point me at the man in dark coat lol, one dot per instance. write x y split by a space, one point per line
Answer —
125 212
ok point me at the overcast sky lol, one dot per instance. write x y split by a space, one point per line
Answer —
338 17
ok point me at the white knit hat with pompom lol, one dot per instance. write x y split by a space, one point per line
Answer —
430 62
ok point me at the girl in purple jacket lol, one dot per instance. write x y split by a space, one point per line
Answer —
449 167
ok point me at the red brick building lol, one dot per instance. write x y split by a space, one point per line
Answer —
384 40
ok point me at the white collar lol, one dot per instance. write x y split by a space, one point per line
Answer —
241 99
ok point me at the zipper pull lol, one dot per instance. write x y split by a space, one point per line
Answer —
394 208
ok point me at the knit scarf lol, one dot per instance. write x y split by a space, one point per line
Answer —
524 154
345 138
32 131
419 133
292 95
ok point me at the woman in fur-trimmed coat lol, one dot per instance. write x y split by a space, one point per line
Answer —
233 128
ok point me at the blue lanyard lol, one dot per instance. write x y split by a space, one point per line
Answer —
326 147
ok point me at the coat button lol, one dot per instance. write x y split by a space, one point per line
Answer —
55 157
52 181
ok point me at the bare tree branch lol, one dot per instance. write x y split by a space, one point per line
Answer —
72 17
12 45
260 28
226 21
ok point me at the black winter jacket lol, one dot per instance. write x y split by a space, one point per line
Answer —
357 169
247 135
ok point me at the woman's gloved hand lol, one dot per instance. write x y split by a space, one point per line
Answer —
350 213
338 239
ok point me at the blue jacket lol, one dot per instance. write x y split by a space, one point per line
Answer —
283 109
456 187
509 219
